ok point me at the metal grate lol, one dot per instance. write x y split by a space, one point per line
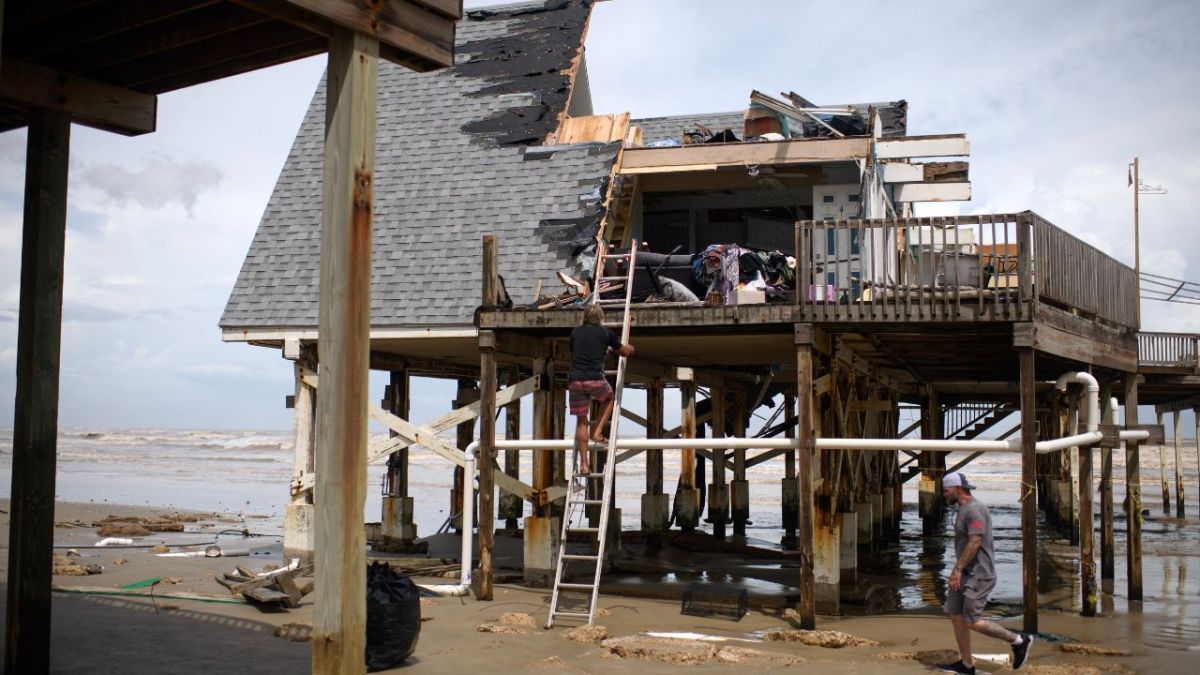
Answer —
714 601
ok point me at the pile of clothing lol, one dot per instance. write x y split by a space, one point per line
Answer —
724 268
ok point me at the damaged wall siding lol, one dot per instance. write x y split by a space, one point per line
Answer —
448 170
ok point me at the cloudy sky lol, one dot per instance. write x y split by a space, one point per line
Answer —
1056 99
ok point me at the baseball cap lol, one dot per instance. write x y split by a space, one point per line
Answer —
956 479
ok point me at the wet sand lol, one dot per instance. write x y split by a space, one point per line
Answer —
104 634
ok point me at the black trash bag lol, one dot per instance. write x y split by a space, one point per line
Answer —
393 617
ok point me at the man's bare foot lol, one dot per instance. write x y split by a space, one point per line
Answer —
601 440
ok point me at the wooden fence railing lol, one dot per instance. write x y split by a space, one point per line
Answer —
1169 350
1076 275
995 267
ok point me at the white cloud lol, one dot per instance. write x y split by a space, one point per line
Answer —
8 356
161 181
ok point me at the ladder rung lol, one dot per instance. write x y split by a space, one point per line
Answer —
614 301
587 501
583 529
612 372
576 556
610 256
618 278
579 614
614 324
576 587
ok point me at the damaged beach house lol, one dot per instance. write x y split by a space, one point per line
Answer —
766 259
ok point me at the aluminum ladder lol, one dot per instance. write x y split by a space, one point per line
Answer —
575 508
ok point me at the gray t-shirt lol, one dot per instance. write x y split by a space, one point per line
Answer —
973 518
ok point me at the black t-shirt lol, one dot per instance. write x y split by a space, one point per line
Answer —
589 344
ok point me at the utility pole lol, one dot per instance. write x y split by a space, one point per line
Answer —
1137 253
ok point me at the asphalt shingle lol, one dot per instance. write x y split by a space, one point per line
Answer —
450 167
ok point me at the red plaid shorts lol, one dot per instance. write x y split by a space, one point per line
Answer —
582 392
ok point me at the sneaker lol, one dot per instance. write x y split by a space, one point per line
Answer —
1021 652
957 667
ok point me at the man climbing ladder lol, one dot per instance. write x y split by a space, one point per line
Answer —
590 343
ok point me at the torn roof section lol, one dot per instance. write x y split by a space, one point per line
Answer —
893 116
452 164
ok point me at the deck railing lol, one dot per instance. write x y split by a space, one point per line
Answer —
995 267
1169 350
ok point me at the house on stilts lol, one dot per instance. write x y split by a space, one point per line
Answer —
781 261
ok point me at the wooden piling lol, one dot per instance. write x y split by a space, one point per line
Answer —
1162 469
339 616
804 434
465 432
654 429
791 490
487 457
487 425
543 421
1087 552
298 516
739 492
1177 416
1029 488
1107 555
512 507
687 500
1133 497
718 491
35 415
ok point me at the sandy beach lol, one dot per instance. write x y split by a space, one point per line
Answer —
98 632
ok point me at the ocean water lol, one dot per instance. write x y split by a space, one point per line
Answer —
248 472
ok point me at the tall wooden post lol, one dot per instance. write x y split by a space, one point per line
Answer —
1107 567
687 499
543 423
1196 416
35 415
398 526
298 517
339 626
1162 470
656 506
1177 417
739 493
465 433
487 426
1133 497
512 507
933 464
1029 488
718 490
804 435
1087 551
791 490
487 460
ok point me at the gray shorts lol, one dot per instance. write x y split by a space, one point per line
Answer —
970 598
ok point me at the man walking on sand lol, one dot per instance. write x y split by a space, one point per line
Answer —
590 342
973 578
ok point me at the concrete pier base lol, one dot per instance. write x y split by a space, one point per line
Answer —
541 550
827 563
398 518
656 512
718 508
848 548
687 508
298 534
740 505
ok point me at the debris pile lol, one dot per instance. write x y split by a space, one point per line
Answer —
278 588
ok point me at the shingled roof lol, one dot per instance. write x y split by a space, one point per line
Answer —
457 156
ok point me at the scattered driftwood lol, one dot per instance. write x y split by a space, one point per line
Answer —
277 588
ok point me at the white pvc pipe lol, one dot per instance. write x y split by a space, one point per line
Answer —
1093 395
463 587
